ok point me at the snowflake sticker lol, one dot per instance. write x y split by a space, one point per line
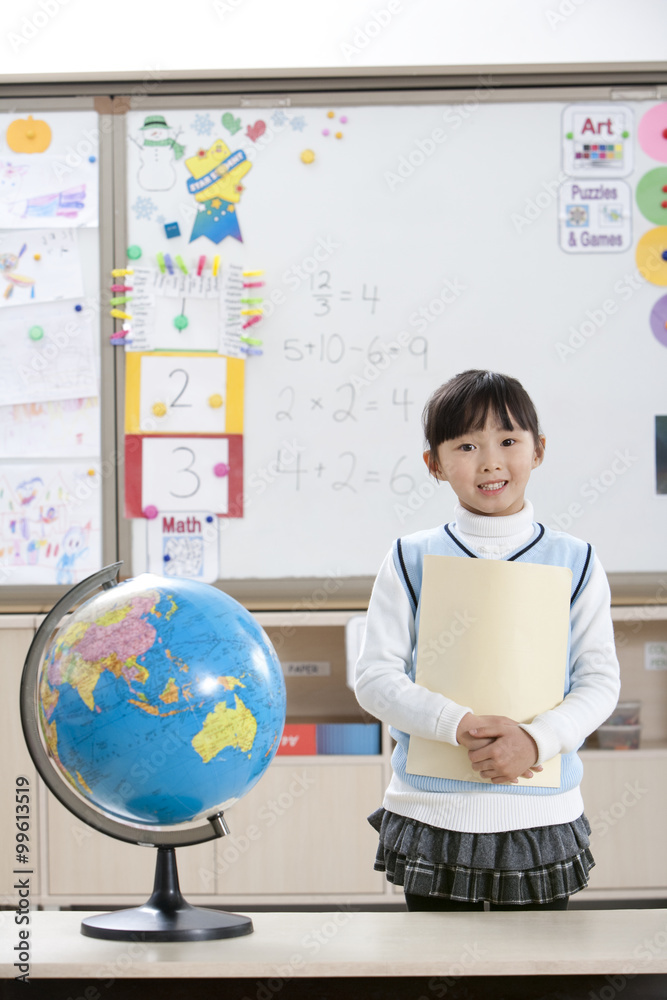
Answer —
577 215
279 117
143 208
298 123
203 124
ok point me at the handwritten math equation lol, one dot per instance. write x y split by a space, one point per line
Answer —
325 294
345 472
348 403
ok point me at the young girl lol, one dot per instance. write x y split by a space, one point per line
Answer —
454 844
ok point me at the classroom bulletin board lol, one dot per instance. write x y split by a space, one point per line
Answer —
50 432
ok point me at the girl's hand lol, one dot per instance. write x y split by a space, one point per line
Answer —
495 724
512 754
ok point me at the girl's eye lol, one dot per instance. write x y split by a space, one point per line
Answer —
467 447
507 442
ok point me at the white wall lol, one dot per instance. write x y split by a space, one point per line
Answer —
94 38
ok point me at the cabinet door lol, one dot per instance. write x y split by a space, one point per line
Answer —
16 762
303 830
83 862
625 799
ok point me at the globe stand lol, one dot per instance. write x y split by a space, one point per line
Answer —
166 916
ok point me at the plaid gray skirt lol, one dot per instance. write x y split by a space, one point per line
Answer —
539 865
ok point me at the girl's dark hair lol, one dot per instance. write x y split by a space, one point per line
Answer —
462 405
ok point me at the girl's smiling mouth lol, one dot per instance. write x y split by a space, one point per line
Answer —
493 487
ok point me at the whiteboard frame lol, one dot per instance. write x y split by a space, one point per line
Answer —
114 94
308 593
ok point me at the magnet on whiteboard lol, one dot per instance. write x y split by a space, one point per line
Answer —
215 401
159 410
150 512
181 321
221 469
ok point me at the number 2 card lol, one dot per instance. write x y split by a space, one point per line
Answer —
180 393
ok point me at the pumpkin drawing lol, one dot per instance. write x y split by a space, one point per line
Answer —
28 135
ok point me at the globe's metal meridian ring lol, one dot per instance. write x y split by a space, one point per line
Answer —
213 827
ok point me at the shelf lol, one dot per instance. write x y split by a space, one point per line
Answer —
639 612
647 748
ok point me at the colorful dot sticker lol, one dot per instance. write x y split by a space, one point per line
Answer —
650 195
651 255
221 469
659 321
159 410
307 156
652 133
150 512
215 401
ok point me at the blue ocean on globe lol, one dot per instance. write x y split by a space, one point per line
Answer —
161 701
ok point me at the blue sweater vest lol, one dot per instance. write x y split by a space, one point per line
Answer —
551 548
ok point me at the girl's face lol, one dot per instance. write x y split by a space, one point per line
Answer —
490 468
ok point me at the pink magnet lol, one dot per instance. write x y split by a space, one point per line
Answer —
325 131
220 470
343 119
150 512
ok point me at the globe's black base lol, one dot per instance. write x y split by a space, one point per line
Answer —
145 923
166 916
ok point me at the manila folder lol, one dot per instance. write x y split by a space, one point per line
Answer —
492 635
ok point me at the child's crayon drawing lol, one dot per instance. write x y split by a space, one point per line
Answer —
49 523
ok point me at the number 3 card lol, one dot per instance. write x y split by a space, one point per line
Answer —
181 473
181 393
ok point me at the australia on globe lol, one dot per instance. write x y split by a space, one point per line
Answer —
161 701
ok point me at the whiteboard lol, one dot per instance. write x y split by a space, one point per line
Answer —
425 240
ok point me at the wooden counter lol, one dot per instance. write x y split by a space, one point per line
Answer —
348 943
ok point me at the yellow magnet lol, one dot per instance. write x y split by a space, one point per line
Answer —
159 410
117 314
215 401
119 271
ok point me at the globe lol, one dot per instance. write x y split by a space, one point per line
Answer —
152 704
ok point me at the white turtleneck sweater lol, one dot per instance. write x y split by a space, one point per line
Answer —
386 658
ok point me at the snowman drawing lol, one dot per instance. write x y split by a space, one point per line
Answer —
158 148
